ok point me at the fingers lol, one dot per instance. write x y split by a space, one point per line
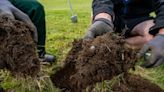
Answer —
89 35
8 16
100 28
7 13
19 15
159 62
151 61
35 35
144 49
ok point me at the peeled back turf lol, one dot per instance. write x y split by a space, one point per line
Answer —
17 48
135 83
89 62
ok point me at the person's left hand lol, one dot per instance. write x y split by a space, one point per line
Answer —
99 27
9 10
156 47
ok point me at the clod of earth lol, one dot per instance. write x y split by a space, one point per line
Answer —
17 48
135 83
92 61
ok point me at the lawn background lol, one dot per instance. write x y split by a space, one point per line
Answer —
60 33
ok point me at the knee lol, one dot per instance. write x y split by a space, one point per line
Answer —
34 6
38 6
148 38
142 29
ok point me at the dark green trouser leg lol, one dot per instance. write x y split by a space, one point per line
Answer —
36 12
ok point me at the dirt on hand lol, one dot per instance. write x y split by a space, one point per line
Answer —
92 61
135 83
17 48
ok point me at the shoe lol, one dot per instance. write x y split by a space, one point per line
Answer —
49 58
45 57
1 89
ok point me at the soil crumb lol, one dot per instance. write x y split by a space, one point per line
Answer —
17 48
135 83
92 61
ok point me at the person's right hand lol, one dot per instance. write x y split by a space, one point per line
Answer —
10 11
99 27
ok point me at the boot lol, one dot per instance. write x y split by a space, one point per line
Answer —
45 57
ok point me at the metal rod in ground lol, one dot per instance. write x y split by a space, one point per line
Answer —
73 17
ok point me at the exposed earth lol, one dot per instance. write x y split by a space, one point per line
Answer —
87 63
92 61
17 48
135 83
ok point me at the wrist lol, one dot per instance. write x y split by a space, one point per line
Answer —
161 31
106 21
103 15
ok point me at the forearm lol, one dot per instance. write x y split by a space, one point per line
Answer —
159 20
103 8
161 31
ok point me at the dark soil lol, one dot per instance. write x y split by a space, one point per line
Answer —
89 62
135 83
17 48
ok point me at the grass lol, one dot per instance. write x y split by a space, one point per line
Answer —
60 30
60 33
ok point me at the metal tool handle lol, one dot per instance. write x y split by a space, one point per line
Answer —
71 8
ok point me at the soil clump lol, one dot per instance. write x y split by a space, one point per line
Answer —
17 48
135 83
92 61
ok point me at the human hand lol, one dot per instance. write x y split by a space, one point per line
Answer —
156 47
10 11
99 27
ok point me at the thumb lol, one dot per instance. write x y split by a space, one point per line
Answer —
19 15
89 35
143 50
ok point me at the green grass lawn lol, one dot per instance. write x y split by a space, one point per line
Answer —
60 33
60 30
